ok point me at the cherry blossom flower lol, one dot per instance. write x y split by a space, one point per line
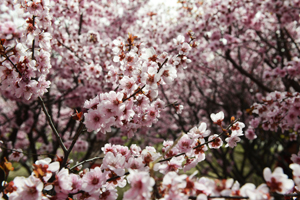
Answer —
120 45
63 182
135 150
278 181
27 188
60 44
114 163
15 155
76 183
250 190
233 139
135 163
149 55
128 84
43 40
149 154
94 120
173 184
296 174
93 180
151 78
178 108
217 118
116 100
173 165
250 134
185 48
44 168
108 194
296 158
179 40
141 185
185 144
199 132
216 143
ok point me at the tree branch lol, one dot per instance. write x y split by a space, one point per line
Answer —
242 71
52 125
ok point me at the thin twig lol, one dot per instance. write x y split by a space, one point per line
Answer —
289 35
67 153
23 152
80 24
116 177
161 65
85 161
224 197
81 126
72 51
52 125
244 72
33 41
140 89
7 58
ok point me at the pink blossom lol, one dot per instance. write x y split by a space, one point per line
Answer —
93 180
128 84
233 139
135 150
108 194
76 183
199 132
27 188
44 40
173 165
216 141
94 120
135 163
250 134
217 118
63 182
16 155
150 78
141 185
296 158
278 181
149 154
47 166
92 103
261 192
296 174
174 184
114 163
185 144
179 40
123 150
185 48
149 54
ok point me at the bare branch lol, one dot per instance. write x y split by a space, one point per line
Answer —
52 125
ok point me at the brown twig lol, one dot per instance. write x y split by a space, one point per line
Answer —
7 58
85 161
52 125
140 89
33 41
72 51
67 153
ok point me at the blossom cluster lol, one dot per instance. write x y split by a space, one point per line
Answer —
23 74
102 182
136 77
131 72
277 110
